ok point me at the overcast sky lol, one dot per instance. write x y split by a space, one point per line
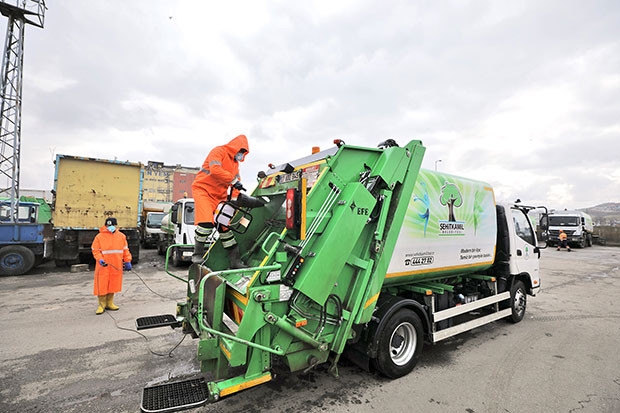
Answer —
524 95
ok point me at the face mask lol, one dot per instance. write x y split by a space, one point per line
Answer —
111 228
239 156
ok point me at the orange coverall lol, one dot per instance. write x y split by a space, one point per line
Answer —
112 248
218 172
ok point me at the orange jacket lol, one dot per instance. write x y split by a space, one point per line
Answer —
112 248
563 236
218 172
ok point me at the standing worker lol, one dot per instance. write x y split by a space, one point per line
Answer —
111 257
219 171
563 241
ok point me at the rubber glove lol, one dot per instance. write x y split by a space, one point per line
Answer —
127 266
103 263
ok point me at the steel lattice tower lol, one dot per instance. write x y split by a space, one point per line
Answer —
20 13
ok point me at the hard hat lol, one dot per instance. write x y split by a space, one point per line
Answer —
110 221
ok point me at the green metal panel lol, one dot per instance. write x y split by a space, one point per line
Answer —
333 247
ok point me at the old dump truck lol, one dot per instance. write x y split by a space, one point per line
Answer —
86 192
150 223
26 241
357 252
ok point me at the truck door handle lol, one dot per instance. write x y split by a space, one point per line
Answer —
519 253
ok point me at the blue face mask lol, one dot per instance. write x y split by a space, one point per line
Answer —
239 156
111 228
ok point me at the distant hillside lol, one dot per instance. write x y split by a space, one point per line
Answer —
604 214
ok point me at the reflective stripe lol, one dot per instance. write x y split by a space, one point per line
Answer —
105 252
214 163
229 243
205 171
228 239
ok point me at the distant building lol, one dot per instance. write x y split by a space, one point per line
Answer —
167 183
182 182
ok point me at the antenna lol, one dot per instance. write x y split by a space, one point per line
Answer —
19 13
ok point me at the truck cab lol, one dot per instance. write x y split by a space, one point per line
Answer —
577 225
178 229
151 228
24 242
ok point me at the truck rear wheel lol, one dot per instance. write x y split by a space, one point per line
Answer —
176 257
400 344
16 260
518 301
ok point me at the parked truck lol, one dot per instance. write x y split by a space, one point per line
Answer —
27 240
150 223
86 192
577 225
178 232
356 252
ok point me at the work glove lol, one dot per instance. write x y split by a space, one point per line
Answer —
103 263
127 266
237 185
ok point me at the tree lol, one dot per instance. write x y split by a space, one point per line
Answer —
451 196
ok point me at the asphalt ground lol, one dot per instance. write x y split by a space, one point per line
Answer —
56 355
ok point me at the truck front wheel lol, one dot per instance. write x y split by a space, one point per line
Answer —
518 301
16 260
400 344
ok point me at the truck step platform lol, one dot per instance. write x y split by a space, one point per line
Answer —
175 396
156 321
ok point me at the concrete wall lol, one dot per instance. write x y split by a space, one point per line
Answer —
610 234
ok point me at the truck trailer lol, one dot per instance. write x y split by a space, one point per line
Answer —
86 192
357 252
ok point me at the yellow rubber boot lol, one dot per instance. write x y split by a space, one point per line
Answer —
102 304
110 303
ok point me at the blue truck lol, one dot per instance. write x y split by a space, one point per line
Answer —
24 241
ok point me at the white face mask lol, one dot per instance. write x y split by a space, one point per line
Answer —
111 228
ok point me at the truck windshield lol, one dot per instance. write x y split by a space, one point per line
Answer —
154 220
563 221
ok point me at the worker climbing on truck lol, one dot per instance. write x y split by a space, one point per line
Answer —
218 175
111 257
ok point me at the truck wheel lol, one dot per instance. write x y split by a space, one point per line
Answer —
400 344
176 260
16 260
582 243
518 301
589 240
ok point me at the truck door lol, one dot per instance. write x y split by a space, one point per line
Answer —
526 253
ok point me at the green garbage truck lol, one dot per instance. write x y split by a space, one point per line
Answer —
352 251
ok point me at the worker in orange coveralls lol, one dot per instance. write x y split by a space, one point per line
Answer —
219 171
563 241
111 257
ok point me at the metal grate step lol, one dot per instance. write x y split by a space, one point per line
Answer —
175 396
156 321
